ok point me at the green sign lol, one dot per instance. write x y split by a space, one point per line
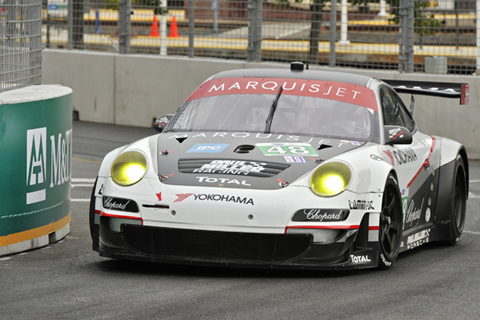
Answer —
36 162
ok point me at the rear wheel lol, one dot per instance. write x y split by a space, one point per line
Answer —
390 230
458 202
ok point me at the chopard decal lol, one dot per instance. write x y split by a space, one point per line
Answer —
119 204
321 215
413 213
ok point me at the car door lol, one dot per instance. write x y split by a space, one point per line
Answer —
412 162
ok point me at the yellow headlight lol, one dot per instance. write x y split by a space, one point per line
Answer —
330 179
129 168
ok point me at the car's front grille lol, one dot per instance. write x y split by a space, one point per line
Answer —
180 244
231 167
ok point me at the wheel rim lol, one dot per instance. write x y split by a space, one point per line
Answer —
390 223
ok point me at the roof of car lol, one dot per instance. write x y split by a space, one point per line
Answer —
287 73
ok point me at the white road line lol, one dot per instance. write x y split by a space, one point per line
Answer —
80 200
87 180
473 196
82 185
472 232
474 181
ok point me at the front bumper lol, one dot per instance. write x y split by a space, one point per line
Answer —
236 249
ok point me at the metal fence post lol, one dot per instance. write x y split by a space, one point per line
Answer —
405 58
191 28
124 26
70 25
333 33
254 48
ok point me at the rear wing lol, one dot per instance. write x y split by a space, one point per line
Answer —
431 88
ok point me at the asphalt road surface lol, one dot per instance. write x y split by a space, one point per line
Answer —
67 280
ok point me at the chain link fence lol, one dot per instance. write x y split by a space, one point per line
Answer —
408 35
405 35
21 45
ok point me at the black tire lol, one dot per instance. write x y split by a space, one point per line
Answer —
458 206
391 224
91 215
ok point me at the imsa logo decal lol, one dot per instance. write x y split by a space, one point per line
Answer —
38 179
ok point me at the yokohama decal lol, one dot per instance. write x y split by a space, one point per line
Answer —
425 163
340 91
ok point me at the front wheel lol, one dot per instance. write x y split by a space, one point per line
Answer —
91 215
390 227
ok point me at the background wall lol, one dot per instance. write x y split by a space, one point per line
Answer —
133 89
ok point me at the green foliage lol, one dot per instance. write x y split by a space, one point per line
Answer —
424 23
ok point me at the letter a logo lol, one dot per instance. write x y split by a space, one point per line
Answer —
36 161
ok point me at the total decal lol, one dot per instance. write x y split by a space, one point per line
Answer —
223 181
49 160
214 197
360 259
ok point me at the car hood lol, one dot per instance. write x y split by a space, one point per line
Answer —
242 159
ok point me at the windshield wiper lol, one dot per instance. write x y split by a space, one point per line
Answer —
272 110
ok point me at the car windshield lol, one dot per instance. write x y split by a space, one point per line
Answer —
295 113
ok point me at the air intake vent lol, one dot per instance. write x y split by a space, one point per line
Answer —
232 167
244 148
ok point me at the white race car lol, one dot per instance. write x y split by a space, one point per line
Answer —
275 168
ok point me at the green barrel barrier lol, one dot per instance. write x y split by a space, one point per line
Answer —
35 166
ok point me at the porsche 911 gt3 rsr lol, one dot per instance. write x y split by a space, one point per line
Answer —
280 168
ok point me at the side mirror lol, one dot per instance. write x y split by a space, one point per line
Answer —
161 122
397 135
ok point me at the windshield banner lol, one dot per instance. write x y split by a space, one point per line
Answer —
340 91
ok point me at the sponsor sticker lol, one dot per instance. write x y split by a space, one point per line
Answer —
287 149
360 259
361 204
119 204
294 159
331 90
223 181
404 156
208 148
417 239
214 197
395 133
321 215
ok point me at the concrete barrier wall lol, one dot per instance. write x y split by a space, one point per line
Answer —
36 156
133 89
